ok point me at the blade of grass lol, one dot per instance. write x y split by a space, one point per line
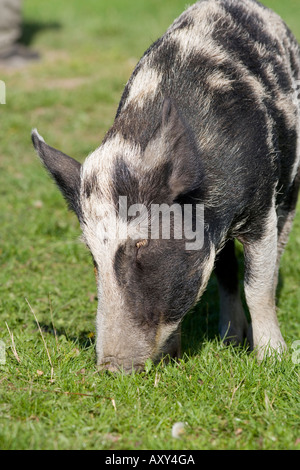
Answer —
44 341
13 344
52 321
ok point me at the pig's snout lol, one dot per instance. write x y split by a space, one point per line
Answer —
114 364
125 346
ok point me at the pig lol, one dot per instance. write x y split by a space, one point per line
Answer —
209 116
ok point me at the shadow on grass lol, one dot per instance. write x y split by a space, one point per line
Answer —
31 28
201 323
84 339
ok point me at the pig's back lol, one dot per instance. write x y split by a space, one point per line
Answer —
231 67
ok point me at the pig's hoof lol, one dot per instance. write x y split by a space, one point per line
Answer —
270 349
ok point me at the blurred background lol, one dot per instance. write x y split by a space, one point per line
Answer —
83 53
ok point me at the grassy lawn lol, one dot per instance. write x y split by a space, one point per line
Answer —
51 394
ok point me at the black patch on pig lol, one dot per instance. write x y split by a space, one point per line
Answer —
185 22
159 282
166 56
91 185
124 183
151 188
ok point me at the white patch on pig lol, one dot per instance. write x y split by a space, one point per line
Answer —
219 81
117 340
144 86
164 331
101 162
191 41
35 132
297 104
207 268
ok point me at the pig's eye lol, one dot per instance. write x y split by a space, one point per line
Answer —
142 243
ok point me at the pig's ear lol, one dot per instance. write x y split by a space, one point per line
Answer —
64 170
181 151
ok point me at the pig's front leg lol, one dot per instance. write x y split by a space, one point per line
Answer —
260 277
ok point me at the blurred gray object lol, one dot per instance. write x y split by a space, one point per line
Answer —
13 53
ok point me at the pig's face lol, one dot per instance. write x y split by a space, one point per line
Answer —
144 290
147 279
143 295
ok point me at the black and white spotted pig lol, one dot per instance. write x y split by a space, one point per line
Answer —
210 115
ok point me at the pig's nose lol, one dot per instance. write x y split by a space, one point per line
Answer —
113 364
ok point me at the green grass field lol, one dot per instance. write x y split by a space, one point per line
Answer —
51 394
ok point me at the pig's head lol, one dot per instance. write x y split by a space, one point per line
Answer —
146 283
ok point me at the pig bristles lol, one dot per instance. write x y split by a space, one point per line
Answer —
45 344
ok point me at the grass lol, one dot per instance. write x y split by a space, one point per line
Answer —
51 394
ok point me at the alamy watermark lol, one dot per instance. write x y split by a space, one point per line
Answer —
296 352
2 92
159 221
